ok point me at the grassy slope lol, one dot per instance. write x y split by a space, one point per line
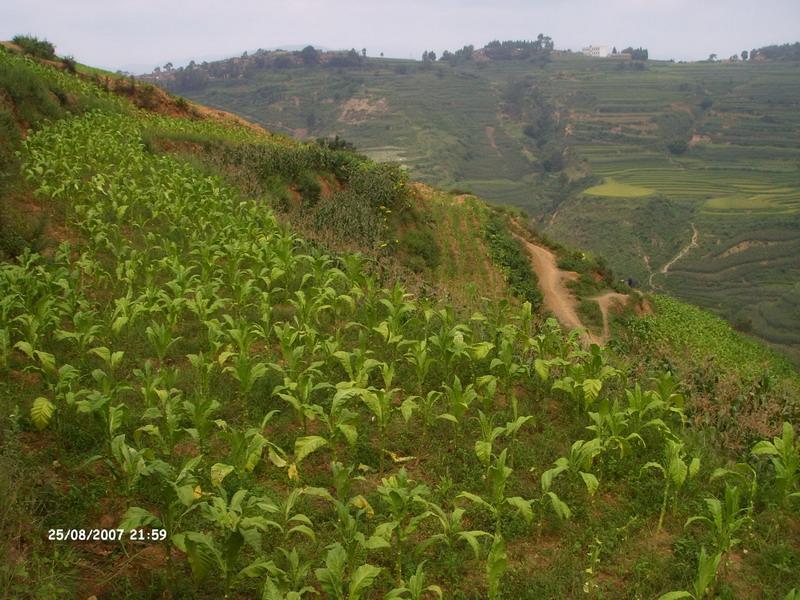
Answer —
739 183
176 216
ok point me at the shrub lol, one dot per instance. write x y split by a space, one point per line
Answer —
590 313
677 146
35 47
32 99
70 64
383 184
350 217
19 230
422 249
554 162
513 259
336 143
309 187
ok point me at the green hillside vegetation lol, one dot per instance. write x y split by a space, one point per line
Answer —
711 144
259 414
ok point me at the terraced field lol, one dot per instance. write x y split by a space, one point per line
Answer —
738 181
734 171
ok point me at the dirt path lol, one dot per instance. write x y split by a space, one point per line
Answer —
683 251
606 301
557 297
490 136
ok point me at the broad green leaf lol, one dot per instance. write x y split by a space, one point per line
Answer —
303 446
481 350
276 459
483 450
407 409
202 554
559 506
765 447
136 517
259 568
591 482
42 412
472 538
591 389
220 471
25 347
542 369
363 578
523 507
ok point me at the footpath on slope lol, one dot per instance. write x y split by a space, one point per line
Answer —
606 301
558 298
681 253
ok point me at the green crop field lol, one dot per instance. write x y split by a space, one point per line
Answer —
615 189
736 176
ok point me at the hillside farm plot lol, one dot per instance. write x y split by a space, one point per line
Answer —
615 189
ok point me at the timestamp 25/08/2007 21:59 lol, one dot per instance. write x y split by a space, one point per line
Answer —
107 535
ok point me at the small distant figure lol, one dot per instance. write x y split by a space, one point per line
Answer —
632 283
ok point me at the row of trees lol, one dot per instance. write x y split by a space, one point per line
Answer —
196 76
497 50
518 49
636 53
774 52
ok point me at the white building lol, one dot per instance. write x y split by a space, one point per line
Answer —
596 51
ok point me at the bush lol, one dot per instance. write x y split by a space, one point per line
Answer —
507 252
677 146
336 143
276 188
350 217
309 187
19 230
554 162
382 184
590 313
70 64
33 100
422 249
35 47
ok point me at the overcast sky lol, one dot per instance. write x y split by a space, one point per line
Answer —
137 35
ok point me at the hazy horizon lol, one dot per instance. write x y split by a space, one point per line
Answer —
137 37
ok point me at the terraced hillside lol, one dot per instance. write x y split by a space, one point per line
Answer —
670 145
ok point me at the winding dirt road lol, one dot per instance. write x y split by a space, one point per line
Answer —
558 299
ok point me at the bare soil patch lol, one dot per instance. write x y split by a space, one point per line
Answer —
359 110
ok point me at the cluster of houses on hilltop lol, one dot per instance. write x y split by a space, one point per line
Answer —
603 52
